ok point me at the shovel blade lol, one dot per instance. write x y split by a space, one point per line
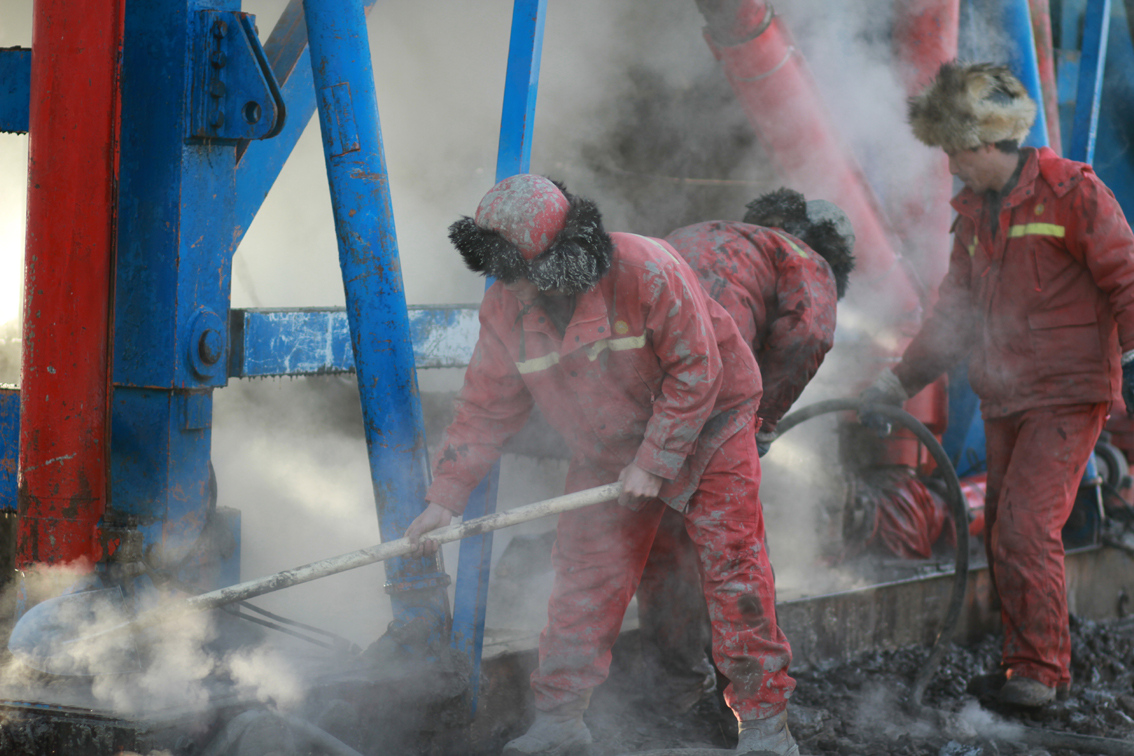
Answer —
65 635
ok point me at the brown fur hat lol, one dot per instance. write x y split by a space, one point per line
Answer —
970 104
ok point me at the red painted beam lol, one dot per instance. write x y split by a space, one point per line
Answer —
73 133
924 37
778 94
1045 59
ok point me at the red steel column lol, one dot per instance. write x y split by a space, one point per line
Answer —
73 132
1045 59
925 36
783 104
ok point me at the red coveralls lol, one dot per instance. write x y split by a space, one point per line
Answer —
1042 303
651 371
783 297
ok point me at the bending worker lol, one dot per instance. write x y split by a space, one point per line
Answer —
1039 297
779 274
648 381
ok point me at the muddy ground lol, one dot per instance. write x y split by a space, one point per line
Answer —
857 708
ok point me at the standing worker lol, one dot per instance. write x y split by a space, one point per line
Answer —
1039 297
649 383
779 274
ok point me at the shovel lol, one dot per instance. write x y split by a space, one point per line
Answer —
75 634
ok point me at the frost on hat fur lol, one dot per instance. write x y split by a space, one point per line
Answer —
575 260
788 209
970 104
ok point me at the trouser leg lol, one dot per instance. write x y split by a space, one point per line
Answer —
673 620
725 521
598 558
1036 460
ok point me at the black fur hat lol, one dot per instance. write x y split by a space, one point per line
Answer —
819 224
531 227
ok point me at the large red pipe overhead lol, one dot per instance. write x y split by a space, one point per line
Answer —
925 36
783 104
73 131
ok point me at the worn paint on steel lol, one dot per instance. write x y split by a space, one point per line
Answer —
1045 61
316 341
15 89
9 446
1092 62
72 165
175 243
375 298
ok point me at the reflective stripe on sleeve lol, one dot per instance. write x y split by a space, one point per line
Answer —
1037 229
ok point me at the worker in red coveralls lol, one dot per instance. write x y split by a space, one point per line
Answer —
649 383
779 274
1039 297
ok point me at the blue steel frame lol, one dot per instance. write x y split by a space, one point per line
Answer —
1017 20
521 84
375 299
15 89
1092 62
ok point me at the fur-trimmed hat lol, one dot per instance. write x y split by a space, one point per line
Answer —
529 226
819 224
970 104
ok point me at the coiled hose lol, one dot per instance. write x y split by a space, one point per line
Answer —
957 504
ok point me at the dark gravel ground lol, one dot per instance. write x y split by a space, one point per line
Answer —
858 707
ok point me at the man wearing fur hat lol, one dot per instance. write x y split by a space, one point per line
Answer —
649 382
1039 297
779 274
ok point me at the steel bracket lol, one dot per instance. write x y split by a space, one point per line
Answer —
234 95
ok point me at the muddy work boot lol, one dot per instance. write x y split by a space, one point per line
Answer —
559 733
1025 693
767 737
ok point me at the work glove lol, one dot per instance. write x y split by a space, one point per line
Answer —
1128 382
764 441
886 389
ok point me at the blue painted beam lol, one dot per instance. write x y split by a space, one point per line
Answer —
259 163
521 84
1017 20
267 342
9 446
1092 62
15 89
375 299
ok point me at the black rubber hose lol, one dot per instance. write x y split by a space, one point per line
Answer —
958 505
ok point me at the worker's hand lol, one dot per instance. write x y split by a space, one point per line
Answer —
764 442
637 485
435 516
886 389
1128 382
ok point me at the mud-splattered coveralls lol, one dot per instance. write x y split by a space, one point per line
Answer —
1041 301
783 297
648 370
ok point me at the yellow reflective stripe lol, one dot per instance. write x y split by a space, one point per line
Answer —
1037 229
536 364
972 248
615 345
798 249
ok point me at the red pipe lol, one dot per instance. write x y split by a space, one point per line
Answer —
782 102
73 133
1045 58
925 36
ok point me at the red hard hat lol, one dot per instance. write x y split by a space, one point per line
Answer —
527 210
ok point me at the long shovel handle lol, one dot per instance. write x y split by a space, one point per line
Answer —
381 552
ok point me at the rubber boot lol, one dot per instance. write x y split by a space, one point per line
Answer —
1025 693
561 732
767 737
